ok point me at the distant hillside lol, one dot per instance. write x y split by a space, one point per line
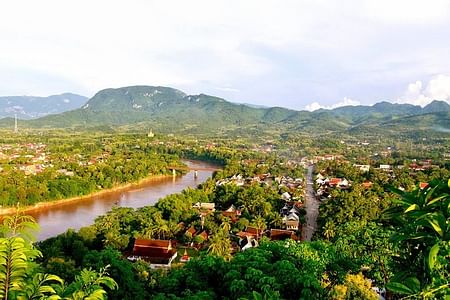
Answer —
169 110
163 108
384 111
29 107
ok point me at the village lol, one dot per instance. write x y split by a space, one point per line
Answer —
292 194
162 253
34 158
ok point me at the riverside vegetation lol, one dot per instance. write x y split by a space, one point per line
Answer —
36 169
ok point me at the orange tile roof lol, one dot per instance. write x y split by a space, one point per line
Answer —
423 185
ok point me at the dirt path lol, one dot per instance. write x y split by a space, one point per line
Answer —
311 206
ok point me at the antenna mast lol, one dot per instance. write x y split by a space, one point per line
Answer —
16 129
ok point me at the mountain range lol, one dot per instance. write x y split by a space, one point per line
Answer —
170 110
30 107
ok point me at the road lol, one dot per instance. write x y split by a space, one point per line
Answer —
311 206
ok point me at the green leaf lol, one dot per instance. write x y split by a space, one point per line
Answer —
413 283
432 256
437 221
399 288
436 199
412 207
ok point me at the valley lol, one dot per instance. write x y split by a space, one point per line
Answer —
310 195
225 150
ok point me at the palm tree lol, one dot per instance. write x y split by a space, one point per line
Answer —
329 230
162 229
226 225
220 245
260 223
173 229
277 220
106 222
148 232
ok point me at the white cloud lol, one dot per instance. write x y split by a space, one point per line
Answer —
345 102
407 11
267 49
438 88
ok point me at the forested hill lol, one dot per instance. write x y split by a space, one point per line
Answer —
29 107
169 110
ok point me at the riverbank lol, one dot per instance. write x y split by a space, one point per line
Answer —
55 203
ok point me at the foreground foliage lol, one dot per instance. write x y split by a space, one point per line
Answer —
22 278
422 219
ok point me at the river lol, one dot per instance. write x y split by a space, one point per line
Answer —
57 219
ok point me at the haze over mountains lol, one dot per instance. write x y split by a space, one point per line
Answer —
29 107
167 109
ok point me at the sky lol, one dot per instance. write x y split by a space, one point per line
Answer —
296 54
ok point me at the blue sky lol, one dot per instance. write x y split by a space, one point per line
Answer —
297 54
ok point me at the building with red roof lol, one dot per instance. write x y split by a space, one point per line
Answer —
158 253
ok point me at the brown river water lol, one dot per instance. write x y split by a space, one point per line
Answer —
57 219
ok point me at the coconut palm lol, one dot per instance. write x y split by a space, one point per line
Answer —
260 223
329 230
226 225
277 220
220 245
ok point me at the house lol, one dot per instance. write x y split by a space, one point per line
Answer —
367 184
385 167
284 211
232 209
205 206
247 242
158 253
65 172
416 167
190 232
362 168
204 235
250 232
291 215
281 234
334 182
320 181
232 213
292 221
286 196
29 169
344 184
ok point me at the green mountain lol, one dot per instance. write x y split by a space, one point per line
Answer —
169 110
386 111
162 108
29 107
436 107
